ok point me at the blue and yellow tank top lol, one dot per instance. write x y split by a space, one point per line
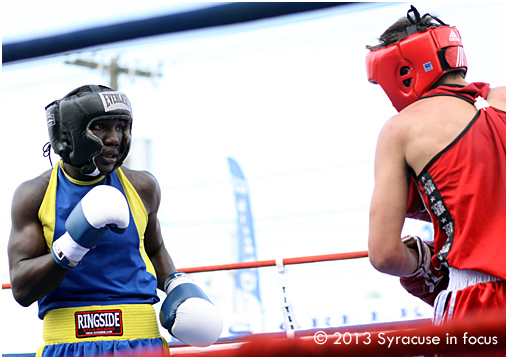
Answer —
117 270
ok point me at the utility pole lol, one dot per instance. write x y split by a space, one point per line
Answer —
140 156
114 70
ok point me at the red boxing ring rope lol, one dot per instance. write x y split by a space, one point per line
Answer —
265 263
273 262
479 336
414 338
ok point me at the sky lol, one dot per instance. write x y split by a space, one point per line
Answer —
287 98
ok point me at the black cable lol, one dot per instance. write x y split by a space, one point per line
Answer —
46 152
227 14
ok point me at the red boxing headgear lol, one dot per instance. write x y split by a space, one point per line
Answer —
408 68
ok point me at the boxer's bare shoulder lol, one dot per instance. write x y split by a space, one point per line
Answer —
146 186
497 97
30 193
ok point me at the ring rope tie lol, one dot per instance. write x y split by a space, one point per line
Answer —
265 263
288 312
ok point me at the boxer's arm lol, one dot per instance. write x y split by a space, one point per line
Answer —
33 271
186 312
388 206
149 191
157 252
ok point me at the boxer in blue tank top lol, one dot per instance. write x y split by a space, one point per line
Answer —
86 243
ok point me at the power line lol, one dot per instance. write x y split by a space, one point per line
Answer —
114 70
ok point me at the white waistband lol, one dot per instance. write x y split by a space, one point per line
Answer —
459 279
463 278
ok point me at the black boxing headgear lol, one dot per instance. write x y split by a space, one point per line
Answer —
69 121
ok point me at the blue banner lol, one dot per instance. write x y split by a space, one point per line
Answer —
246 280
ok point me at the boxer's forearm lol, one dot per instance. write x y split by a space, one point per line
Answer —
34 278
396 259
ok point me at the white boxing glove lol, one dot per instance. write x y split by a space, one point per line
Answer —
187 312
102 208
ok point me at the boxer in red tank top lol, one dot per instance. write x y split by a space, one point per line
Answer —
464 188
442 158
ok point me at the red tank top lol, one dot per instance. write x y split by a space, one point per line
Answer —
464 189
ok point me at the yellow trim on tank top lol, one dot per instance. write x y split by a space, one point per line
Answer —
139 322
78 182
136 205
48 208
48 205
140 216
